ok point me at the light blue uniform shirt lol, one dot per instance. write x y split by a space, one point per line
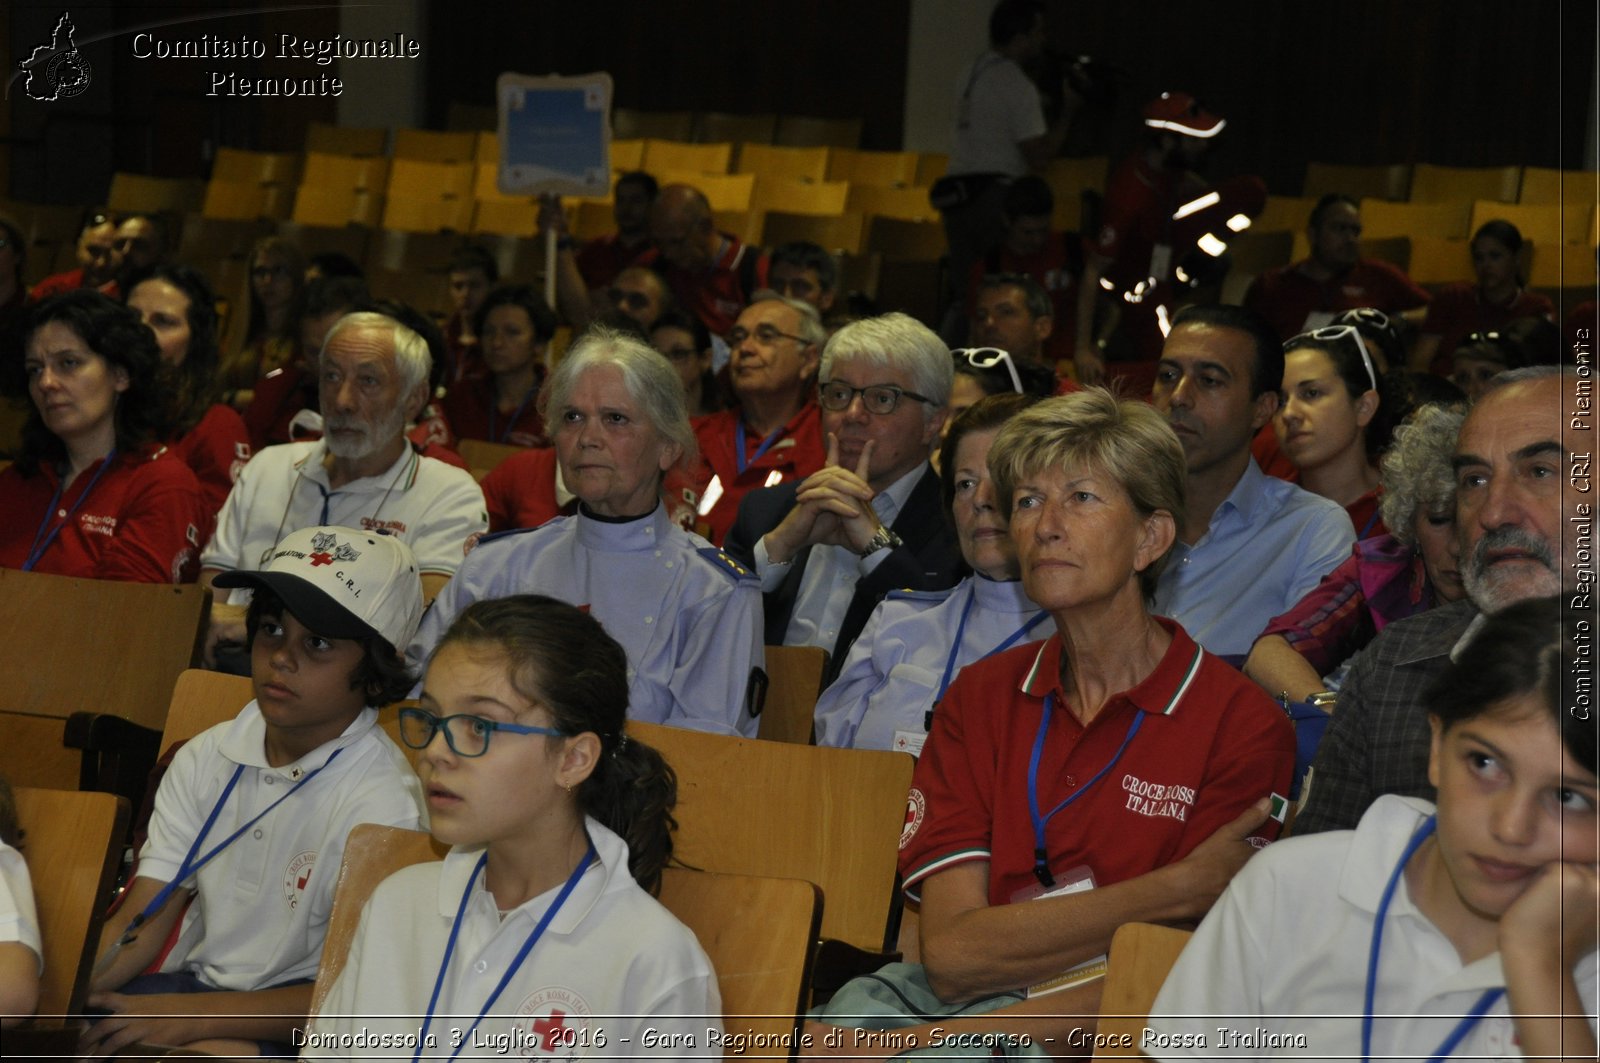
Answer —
1269 543
892 673
688 618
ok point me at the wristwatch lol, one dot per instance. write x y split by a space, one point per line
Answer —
884 537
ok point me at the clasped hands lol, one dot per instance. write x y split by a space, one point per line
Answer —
832 508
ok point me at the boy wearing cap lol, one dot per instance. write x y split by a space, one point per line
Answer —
251 818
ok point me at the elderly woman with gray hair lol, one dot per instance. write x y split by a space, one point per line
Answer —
689 619
1387 577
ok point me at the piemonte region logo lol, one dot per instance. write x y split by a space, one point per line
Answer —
57 71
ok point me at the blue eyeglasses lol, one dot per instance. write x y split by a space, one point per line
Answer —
466 735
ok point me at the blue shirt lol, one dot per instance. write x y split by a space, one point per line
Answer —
1269 544
892 674
688 618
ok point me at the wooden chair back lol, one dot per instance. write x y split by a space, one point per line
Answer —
803 131
829 816
72 843
714 127
794 681
371 854
1141 955
482 455
841 232
688 158
1438 184
1357 182
789 164
55 650
1379 218
333 139
202 699
760 934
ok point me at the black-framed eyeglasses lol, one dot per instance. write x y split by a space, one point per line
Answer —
764 333
836 395
1338 332
466 735
988 358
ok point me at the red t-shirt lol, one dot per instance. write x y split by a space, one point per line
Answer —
473 413
601 259
715 296
142 521
215 450
278 396
1287 295
1457 312
462 359
68 281
1057 268
520 492
794 454
1210 744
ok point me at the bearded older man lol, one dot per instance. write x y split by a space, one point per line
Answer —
1520 523
363 473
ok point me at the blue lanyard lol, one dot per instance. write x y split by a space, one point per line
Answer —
766 444
516 415
1481 1008
516 961
41 540
961 627
191 866
1041 855
1371 521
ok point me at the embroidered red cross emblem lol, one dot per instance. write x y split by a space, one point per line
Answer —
323 558
547 1029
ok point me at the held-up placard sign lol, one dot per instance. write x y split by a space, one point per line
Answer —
555 134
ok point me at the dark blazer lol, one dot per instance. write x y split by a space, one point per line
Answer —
929 559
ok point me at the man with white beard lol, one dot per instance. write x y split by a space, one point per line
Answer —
1526 531
373 381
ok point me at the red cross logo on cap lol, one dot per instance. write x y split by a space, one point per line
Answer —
321 558
547 1029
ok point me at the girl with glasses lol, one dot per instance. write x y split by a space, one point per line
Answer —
537 929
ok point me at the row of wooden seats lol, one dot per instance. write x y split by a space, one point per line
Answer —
1550 223
1427 183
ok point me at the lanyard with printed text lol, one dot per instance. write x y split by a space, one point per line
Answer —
41 540
1468 1021
1041 855
516 961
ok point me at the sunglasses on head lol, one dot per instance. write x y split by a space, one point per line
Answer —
988 358
1339 332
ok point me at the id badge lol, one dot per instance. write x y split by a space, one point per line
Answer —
910 742
1161 262
1074 880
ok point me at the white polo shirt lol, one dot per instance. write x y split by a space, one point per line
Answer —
1281 960
612 965
19 921
432 506
262 905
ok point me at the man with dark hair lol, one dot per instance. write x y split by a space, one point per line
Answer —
1001 133
806 271
1013 313
1306 295
1160 220
98 261
712 274
1052 258
1251 546
143 241
472 272
601 259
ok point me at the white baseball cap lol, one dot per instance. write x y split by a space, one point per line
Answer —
343 583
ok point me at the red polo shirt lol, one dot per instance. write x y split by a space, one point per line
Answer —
601 259
1458 311
717 295
215 449
142 521
1287 295
1211 743
796 453
472 412
68 281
